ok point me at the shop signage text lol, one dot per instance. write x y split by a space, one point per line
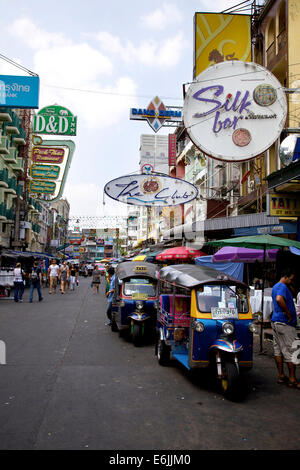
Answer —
151 190
55 120
284 205
19 92
157 114
47 154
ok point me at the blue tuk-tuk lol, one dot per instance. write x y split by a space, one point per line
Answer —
134 308
204 320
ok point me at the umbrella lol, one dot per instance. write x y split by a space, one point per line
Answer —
240 254
179 253
264 242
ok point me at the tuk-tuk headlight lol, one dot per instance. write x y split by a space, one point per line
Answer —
198 326
139 304
253 327
228 328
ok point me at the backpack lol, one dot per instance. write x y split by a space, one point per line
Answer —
34 276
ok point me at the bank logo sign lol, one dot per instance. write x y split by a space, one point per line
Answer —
55 120
157 114
19 92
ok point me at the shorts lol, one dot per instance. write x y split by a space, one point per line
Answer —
283 340
53 281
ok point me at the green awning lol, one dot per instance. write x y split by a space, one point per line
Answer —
257 241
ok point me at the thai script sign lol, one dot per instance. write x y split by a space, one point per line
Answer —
19 92
151 190
47 154
55 120
49 172
235 111
219 38
157 114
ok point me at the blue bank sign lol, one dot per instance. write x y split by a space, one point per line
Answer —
19 92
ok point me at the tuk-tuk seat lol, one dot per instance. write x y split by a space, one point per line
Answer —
182 309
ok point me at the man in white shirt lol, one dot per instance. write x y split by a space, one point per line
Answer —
54 274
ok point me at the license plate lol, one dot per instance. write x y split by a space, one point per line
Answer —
139 296
224 313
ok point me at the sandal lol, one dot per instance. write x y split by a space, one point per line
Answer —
282 380
294 385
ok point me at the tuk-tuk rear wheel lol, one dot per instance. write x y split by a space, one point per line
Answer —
163 353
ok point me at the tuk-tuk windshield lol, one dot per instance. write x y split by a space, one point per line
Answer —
222 298
139 286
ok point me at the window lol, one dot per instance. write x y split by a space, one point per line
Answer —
221 296
139 286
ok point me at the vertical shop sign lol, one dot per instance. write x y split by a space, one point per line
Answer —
172 149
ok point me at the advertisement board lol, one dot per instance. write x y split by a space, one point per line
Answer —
235 111
19 92
55 120
151 190
284 205
220 37
157 114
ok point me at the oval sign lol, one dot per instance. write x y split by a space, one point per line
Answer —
151 190
235 110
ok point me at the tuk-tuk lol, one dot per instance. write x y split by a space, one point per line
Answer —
134 305
204 320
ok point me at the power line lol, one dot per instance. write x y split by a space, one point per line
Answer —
12 62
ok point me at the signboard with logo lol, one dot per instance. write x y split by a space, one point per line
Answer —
151 190
219 38
235 111
19 92
50 178
55 120
157 114
284 205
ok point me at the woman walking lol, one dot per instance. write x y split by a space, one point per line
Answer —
73 276
64 274
96 279
18 283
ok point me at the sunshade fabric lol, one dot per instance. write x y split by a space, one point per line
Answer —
257 241
239 254
179 252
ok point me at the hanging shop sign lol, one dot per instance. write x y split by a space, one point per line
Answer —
47 154
48 172
151 190
289 150
157 114
235 111
55 120
172 149
284 205
41 174
19 92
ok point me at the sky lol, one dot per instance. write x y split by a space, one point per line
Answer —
99 59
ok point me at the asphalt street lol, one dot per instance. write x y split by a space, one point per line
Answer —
71 383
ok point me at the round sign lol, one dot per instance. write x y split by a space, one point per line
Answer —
287 149
151 190
235 110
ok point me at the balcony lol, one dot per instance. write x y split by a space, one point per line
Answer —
5 115
6 214
4 178
19 165
2 211
4 145
11 157
12 186
13 126
271 53
36 228
20 139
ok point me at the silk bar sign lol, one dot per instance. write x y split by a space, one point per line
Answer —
55 120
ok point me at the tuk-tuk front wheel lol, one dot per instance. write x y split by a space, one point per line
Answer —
230 383
137 333
163 353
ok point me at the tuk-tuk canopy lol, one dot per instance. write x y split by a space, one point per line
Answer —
136 269
190 276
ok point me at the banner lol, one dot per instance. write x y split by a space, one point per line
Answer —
219 38
19 92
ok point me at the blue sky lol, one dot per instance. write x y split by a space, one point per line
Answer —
120 55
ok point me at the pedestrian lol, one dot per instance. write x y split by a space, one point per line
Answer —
96 281
64 274
73 276
35 281
110 293
283 323
54 274
19 275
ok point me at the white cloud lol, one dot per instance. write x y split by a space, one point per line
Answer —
162 17
35 37
165 53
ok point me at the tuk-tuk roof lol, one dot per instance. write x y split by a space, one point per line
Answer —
136 269
190 276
